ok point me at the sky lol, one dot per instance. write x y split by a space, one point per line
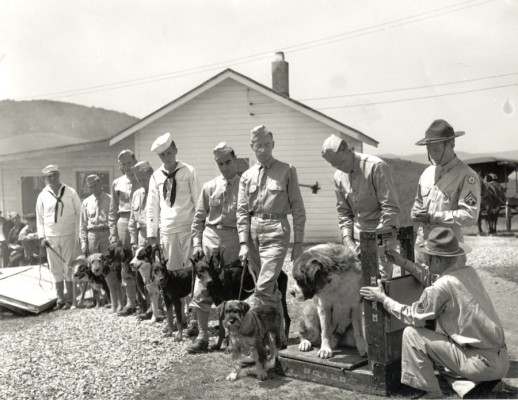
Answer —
385 68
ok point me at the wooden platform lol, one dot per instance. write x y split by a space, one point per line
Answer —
27 289
346 370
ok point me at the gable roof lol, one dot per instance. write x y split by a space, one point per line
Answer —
250 83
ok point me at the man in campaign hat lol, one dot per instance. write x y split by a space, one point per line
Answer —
94 230
471 341
58 209
172 197
121 193
448 193
138 235
366 197
214 232
268 192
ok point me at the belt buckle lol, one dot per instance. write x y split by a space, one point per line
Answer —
219 226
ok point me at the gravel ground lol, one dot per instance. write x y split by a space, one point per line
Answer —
93 354
39 362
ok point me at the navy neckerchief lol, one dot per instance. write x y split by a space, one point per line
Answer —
172 194
58 200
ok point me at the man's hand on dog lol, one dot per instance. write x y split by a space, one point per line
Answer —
374 293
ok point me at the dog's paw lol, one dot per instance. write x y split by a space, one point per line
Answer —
232 376
262 375
361 345
325 352
305 345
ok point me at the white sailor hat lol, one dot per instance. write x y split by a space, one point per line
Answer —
331 146
260 132
222 150
162 143
50 168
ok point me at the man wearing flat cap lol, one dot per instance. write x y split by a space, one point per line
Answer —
214 232
366 197
172 197
94 229
448 193
268 192
471 342
138 236
121 193
58 209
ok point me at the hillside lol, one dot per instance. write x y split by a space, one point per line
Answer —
40 124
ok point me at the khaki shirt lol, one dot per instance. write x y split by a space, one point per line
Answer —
366 198
460 304
137 220
217 205
280 195
451 194
94 214
121 194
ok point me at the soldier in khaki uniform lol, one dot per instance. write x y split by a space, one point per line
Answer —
268 192
138 235
448 193
94 230
366 197
122 192
214 231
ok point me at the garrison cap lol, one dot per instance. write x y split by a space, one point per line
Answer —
162 143
331 146
222 150
142 167
50 168
260 132
90 179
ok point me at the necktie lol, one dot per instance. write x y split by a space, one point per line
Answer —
262 176
172 194
58 200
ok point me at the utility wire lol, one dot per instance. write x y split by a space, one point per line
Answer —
294 48
409 88
418 98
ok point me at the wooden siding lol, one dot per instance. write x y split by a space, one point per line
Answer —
103 157
227 112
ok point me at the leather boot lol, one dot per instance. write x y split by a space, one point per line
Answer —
69 296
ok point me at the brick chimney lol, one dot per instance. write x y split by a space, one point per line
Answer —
281 75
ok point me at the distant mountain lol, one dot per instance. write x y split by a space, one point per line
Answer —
40 124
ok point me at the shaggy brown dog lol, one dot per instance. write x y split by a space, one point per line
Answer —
330 274
258 329
231 282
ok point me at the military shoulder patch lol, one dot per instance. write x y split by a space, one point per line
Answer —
471 180
470 199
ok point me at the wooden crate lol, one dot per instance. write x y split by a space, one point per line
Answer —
346 370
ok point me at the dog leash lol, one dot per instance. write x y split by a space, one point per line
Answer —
245 267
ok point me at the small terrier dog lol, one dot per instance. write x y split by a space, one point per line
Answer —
257 329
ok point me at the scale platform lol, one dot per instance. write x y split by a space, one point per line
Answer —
346 370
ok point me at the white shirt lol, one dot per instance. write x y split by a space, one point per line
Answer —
179 217
66 222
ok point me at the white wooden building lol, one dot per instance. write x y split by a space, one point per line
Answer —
225 108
